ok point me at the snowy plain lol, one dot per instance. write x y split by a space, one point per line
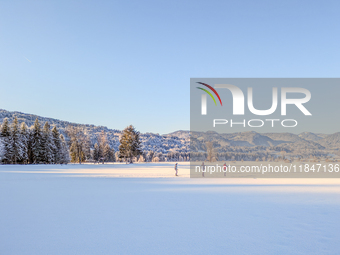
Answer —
145 209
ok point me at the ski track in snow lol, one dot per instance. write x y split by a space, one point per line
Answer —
144 209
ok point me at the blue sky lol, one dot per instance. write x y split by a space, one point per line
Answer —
116 63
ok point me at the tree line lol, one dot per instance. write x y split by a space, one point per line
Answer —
81 148
34 145
43 145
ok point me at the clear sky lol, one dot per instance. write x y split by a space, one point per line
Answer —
116 63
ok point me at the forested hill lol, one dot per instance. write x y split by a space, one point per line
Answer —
174 142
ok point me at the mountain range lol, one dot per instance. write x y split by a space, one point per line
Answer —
306 144
179 141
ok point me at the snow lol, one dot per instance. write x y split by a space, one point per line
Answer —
144 209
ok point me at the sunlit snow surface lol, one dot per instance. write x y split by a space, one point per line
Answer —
145 209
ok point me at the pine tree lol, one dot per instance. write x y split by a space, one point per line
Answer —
57 148
96 153
113 155
108 154
47 145
64 153
104 151
102 142
130 145
2 150
30 156
36 143
100 153
16 149
6 141
24 133
5 129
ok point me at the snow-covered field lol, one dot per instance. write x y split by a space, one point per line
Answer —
144 209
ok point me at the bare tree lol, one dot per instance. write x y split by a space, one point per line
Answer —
210 151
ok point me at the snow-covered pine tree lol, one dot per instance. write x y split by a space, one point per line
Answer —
47 145
6 141
17 146
64 155
100 153
96 153
36 143
130 144
102 142
105 153
57 148
108 154
30 140
112 155
2 150
24 134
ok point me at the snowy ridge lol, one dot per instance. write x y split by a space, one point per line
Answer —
169 143
306 143
266 146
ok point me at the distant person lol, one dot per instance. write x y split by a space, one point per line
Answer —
202 169
225 169
176 169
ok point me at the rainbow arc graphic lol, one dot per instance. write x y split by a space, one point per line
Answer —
209 93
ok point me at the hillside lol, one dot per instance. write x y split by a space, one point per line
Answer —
331 141
306 144
253 145
311 136
150 142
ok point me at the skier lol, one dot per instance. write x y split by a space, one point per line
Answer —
202 169
225 169
176 169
